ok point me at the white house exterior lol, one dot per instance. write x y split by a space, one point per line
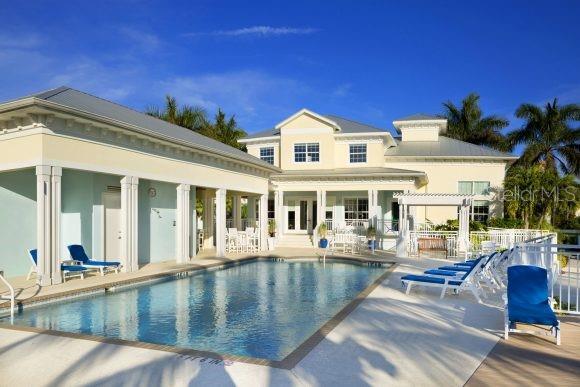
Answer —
77 169
341 171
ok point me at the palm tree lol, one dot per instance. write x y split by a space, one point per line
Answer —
190 117
466 123
225 130
549 136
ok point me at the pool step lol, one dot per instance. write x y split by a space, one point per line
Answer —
294 240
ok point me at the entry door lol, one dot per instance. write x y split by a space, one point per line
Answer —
112 204
299 216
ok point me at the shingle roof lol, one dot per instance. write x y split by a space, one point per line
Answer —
419 117
445 147
346 126
75 99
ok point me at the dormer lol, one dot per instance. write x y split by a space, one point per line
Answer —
420 127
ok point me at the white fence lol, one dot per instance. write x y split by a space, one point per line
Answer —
503 238
563 265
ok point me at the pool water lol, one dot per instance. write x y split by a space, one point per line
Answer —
262 309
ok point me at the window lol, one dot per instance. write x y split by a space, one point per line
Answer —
271 206
267 154
473 187
480 210
358 153
356 209
306 153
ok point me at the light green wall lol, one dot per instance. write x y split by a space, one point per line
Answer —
17 220
81 209
157 221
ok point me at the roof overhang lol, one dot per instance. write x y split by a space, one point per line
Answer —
41 105
302 175
440 123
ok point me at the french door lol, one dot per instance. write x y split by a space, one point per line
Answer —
300 216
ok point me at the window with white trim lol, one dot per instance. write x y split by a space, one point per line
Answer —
473 187
267 154
480 210
307 152
358 153
356 209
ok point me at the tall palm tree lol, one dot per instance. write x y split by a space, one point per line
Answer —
190 117
467 123
549 136
225 130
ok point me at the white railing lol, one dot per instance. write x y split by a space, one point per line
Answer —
503 238
563 265
451 238
249 222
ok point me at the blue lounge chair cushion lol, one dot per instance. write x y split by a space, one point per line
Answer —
433 280
73 268
454 268
527 293
77 252
34 255
446 273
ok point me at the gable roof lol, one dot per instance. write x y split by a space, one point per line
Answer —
445 147
346 126
87 103
420 117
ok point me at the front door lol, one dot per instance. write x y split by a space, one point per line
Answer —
300 215
113 235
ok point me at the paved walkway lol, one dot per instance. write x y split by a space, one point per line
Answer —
389 339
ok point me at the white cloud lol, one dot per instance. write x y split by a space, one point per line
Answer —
342 90
259 31
143 40
17 41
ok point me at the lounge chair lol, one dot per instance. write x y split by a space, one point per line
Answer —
67 268
527 301
458 284
77 253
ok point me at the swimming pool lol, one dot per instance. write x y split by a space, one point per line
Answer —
261 309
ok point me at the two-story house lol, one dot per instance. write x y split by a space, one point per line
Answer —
345 172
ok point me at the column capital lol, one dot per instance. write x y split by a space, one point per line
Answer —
56 171
43 170
183 187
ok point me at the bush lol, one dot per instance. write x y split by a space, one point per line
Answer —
505 223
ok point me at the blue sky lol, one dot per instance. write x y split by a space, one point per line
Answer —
370 61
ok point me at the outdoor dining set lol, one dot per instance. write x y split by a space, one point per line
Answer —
247 241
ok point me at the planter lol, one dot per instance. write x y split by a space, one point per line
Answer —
372 244
323 243
271 243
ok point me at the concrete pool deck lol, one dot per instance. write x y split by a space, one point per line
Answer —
390 338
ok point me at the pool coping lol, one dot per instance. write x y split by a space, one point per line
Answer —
289 362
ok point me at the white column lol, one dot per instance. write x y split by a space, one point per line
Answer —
321 200
208 218
220 221
279 212
252 211
55 215
43 224
402 238
192 222
237 211
463 235
263 222
134 223
129 223
182 224
373 201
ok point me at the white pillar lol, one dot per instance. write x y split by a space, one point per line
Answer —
373 201
279 212
192 222
208 218
220 221
237 211
463 235
402 238
182 224
129 223
321 200
55 215
252 211
43 224
263 222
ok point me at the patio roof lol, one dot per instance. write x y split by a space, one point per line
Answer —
351 172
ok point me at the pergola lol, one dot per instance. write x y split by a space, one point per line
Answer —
408 199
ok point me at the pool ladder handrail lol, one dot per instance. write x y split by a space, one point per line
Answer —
12 297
